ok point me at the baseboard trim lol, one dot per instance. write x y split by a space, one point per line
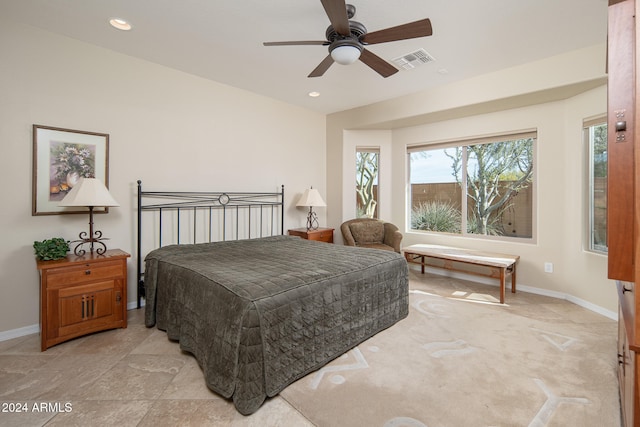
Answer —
529 289
19 332
134 305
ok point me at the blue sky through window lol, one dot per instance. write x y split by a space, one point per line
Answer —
431 166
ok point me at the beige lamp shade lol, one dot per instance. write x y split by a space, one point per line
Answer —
88 192
311 197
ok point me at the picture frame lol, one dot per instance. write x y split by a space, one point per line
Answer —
60 158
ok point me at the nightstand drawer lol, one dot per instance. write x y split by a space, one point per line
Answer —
323 236
84 273
319 234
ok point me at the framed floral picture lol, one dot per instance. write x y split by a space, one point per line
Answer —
60 158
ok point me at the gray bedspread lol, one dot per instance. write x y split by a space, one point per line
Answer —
259 314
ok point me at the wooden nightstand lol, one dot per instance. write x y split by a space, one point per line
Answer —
82 294
319 234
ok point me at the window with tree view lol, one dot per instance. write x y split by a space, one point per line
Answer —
476 187
367 183
595 135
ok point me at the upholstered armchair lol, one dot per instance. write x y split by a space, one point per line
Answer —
371 233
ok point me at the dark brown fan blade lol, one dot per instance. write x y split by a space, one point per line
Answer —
378 64
297 43
337 12
411 30
322 68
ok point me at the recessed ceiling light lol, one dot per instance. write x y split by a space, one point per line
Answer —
120 24
314 94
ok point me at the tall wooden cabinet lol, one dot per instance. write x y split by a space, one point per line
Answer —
623 195
82 294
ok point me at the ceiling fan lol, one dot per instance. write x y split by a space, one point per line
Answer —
347 39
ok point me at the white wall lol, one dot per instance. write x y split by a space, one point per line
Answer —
552 96
168 128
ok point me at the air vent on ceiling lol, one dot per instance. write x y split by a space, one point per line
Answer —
413 60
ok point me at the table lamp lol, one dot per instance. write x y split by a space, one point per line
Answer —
89 193
311 198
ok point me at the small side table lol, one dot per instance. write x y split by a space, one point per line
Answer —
319 234
82 294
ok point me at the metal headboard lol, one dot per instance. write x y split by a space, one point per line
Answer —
210 217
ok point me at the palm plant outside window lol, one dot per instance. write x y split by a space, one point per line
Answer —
476 187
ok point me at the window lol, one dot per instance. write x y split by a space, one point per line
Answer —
367 182
595 135
474 187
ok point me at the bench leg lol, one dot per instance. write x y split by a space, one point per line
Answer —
513 279
502 284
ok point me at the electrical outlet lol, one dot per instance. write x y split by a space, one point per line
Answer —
548 267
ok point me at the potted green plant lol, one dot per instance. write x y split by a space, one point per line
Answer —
51 249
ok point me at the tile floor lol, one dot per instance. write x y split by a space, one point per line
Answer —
125 377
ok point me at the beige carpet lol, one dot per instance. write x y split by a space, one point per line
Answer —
462 360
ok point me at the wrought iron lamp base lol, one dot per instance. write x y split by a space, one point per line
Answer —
94 237
312 220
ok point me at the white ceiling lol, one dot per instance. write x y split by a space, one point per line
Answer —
222 40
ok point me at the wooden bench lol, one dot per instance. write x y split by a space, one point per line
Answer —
499 265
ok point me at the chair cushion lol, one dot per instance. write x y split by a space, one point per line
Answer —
377 246
367 232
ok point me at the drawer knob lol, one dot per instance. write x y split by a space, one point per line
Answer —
87 272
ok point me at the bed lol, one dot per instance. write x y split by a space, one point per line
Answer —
259 313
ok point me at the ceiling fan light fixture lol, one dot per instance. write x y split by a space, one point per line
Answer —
346 51
120 24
